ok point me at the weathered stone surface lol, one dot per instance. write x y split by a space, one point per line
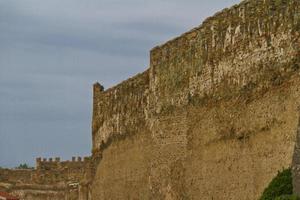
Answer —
215 115
52 179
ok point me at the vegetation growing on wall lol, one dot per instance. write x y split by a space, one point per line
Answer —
287 197
24 166
280 188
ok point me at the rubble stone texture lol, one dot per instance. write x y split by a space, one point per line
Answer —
214 117
50 180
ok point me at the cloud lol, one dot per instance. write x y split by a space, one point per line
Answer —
51 52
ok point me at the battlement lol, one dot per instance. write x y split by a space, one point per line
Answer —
58 159
54 163
97 87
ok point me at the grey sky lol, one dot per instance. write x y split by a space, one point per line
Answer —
51 53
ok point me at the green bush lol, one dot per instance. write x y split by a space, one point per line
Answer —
280 187
287 197
24 166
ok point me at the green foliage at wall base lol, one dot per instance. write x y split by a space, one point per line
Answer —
280 188
287 197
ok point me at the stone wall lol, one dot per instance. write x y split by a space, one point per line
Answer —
236 147
17 175
215 115
252 45
49 171
119 111
51 179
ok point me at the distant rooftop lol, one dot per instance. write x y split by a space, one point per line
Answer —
7 196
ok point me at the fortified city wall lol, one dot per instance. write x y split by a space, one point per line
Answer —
52 179
215 116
